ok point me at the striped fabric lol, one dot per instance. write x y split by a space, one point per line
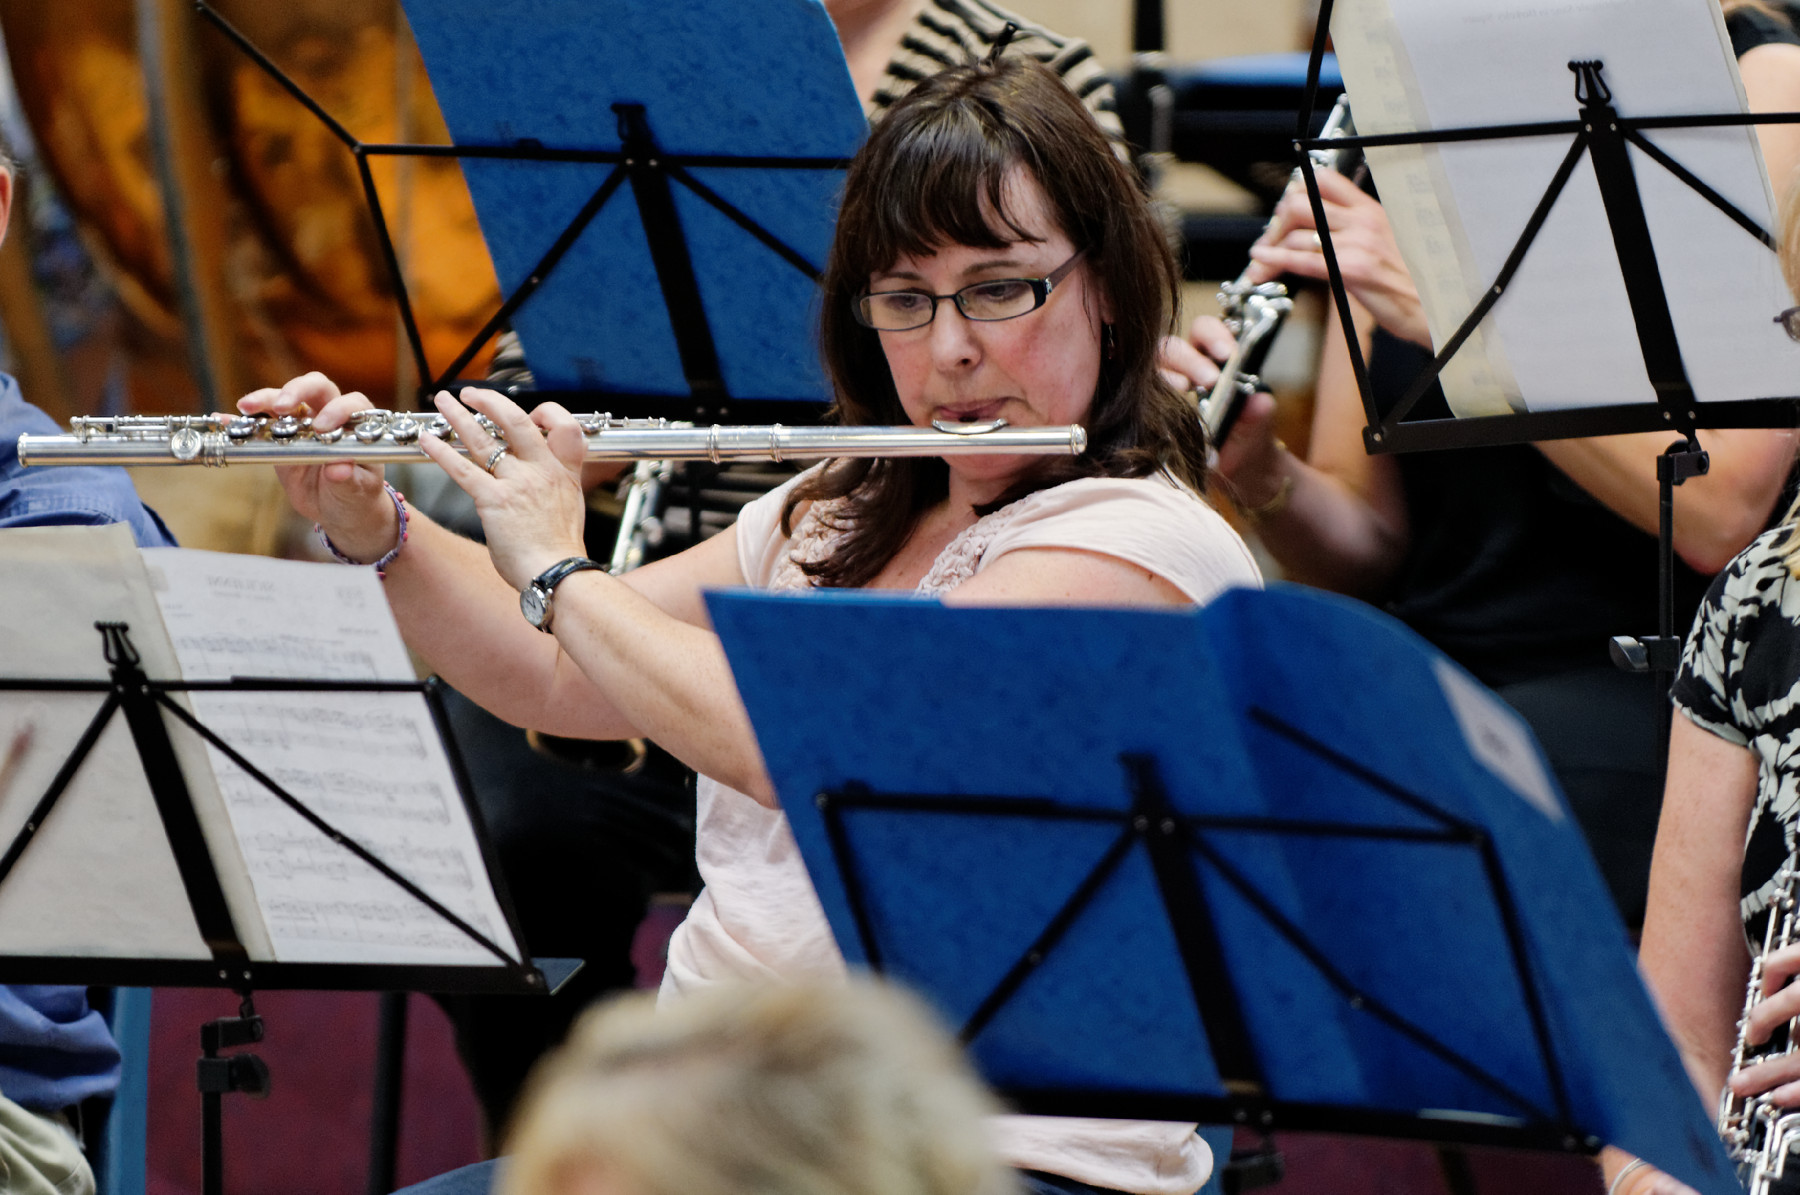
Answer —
952 32
945 33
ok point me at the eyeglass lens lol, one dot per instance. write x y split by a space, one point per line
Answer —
898 311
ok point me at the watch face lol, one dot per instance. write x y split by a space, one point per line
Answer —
534 603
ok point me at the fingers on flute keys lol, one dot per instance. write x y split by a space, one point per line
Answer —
562 435
304 395
522 434
469 473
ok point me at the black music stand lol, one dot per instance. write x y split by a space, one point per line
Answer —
734 331
146 707
1212 878
1604 136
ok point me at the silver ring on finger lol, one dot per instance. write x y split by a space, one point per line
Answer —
494 457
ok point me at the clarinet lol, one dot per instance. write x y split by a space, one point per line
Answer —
1255 313
1757 1133
385 437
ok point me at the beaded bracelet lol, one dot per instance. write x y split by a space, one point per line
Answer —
380 565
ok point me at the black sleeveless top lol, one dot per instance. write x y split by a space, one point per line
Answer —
1513 570
1749 29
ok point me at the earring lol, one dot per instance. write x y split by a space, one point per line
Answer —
1109 341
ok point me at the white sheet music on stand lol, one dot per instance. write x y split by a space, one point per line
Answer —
368 763
91 882
1563 336
371 764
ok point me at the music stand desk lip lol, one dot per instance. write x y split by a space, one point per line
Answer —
542 977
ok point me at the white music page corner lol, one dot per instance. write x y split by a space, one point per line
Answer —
370 764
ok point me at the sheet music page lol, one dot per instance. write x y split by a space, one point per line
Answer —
370 764
1563 335
98 879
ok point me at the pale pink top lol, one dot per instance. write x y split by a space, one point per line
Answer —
758 917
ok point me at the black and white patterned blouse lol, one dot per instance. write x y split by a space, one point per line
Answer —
1740 679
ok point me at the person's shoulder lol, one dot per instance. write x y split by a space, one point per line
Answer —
1159 488
1147 519
1758 574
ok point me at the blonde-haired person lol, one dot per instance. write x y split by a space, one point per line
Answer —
756 1090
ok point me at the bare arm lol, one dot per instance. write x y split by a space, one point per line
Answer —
1693 957
1771 75
1716 516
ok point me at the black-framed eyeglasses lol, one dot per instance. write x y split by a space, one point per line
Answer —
996 299
1790 322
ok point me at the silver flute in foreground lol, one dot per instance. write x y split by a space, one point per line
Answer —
1254 313
386 437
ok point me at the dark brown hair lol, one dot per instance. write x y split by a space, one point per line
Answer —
933 173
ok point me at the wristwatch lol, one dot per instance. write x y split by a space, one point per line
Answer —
534 599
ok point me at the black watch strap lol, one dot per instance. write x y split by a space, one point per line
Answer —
553 576
535 600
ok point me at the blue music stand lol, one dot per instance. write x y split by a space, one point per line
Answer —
1276 862
729 122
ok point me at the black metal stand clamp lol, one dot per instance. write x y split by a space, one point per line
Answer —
217 1075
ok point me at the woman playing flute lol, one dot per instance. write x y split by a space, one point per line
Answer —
993 259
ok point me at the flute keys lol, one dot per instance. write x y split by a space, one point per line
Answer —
285 428
405 430
185 444
330 437
370 426
242 429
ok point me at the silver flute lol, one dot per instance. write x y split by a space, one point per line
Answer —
1255 312
1759 1134
389 437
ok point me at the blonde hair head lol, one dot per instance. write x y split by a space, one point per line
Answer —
774 1090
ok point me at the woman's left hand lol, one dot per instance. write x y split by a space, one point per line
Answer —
1778 1077
531 504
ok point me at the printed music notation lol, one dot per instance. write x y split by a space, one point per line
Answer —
281 653
370 764
371 727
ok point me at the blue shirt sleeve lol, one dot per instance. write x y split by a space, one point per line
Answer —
66 495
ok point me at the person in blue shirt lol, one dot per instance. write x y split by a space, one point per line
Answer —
55 1050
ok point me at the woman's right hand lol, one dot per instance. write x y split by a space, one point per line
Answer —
345 499
1250 459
